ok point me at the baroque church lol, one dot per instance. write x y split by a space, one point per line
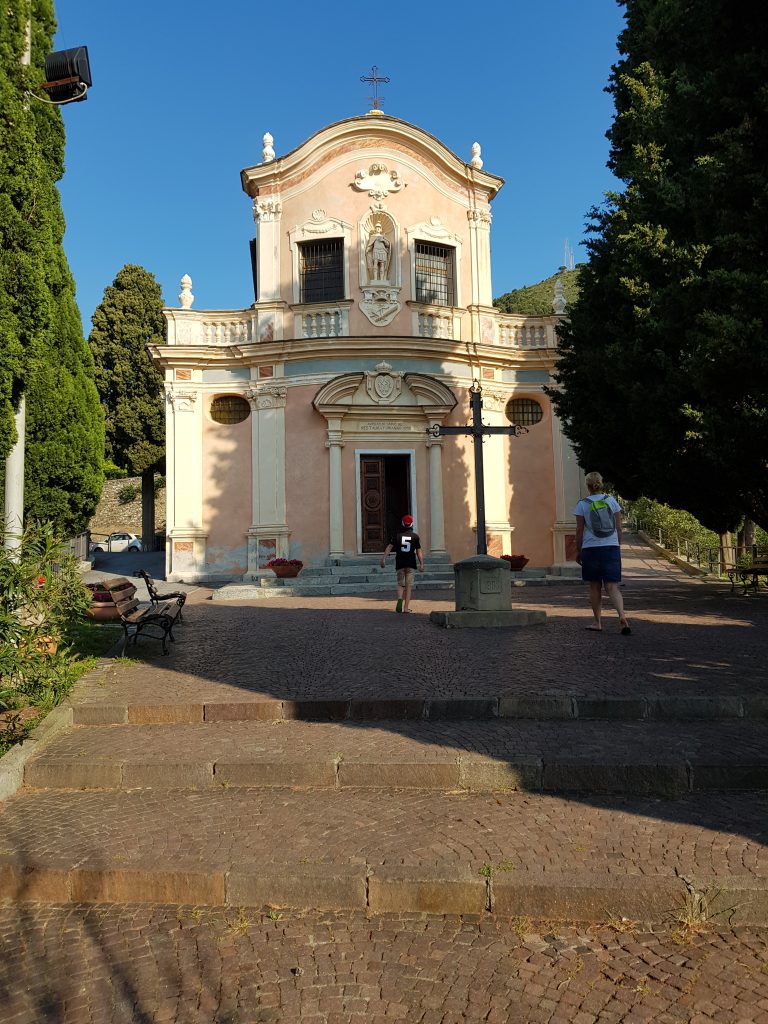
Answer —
305 426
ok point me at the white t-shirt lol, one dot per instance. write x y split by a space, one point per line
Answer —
582 509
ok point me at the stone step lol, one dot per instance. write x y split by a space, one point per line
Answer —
536 856
660 759
137 703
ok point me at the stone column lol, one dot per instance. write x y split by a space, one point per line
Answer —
568 478
266 213
269 529
334 444
186 556
436 510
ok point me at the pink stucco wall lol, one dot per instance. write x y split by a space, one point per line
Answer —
306 476
226 492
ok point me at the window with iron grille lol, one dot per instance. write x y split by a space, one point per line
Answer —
523 412
321 270
230 409
434 274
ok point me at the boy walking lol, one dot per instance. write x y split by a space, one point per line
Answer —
407 548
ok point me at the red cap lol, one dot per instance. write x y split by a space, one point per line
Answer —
407 520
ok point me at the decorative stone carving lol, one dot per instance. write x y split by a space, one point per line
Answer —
383 386
380 305
267 396
481 217
266 210
378 181
494 401
186 298
181 399
268 152
558 302
476 160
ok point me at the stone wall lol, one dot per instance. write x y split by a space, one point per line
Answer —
113 514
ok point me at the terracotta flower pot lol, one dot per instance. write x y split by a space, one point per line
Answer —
286 572
516 562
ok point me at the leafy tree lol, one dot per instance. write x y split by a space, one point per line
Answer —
129 318
664 368
42 349
536 299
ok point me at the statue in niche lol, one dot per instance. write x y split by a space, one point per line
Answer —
378 255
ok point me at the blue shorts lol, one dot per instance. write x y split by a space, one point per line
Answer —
601 564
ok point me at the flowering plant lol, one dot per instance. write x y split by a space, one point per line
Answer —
284 561
515 559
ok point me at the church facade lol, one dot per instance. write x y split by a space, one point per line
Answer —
305 426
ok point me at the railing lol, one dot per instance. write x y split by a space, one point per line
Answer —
323 323
80 545
435 325
713 558
523 332
190 327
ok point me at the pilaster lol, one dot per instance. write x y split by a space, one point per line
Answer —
268 534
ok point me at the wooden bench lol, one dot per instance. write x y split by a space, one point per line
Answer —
155 598
749 574
157 621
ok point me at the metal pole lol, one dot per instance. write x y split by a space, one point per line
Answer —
477 438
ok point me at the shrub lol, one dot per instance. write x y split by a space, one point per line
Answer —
128 493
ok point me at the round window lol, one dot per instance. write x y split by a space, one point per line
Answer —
523 412
230 409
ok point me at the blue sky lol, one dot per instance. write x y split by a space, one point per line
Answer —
183 93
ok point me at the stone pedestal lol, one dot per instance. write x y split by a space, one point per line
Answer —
484 597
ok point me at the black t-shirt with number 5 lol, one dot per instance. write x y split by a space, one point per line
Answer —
405 544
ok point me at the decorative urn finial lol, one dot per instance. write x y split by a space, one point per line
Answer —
558 302
268 152
476 160
186 298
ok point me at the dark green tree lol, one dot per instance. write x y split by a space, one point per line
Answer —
128 319
42 349
664 366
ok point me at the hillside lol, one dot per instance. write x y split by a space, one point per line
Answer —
536 299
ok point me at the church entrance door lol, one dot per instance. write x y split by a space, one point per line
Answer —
385 497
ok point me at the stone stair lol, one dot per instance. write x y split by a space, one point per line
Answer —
362 574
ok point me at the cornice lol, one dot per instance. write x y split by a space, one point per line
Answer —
265 178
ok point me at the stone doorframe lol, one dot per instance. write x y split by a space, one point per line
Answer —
378 408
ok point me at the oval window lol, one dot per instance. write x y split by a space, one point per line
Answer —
230 409
523 412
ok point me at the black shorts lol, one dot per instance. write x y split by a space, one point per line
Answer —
602 564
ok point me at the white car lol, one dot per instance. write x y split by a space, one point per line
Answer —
119 542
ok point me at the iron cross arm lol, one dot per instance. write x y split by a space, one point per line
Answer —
515 430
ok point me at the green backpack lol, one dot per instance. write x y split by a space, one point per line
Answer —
601 520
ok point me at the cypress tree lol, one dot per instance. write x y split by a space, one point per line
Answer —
664 365
42 348
128 319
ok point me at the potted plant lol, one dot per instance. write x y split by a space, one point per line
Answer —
285 568
516 562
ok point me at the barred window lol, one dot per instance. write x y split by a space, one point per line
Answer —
321 270
230 409
523 412
434 274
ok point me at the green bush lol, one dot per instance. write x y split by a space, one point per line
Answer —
41 594
676 526
128 494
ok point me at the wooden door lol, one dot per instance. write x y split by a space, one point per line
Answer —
373 502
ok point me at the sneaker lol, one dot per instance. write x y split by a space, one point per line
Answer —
399 605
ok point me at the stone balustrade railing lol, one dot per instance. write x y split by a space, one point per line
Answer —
189 327
525 332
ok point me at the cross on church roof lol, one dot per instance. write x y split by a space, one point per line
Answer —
375 79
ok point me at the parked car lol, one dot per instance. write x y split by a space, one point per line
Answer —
119 542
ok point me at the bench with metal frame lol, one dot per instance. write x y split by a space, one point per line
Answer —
156 598
749 574
157 621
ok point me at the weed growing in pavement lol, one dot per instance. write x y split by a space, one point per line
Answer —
622 924
486 871
239 924
522 925
692 916
274 915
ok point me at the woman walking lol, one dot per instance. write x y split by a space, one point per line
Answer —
598 550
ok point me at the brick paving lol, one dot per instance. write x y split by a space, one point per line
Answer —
690 639
186 965
218 812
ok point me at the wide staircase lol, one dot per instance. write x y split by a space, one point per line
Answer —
549 806
362 574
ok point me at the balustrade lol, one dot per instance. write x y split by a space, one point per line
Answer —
435 325
521 335
323 323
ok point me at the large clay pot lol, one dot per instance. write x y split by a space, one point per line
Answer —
286 572
517 562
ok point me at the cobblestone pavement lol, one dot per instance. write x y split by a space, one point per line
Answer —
689 638
146 965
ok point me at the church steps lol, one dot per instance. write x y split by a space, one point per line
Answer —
642 758
533 855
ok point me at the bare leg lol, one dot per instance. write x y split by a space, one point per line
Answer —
596 602
407 600
614 596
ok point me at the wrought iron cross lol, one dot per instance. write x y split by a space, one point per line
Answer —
374 79
477 430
